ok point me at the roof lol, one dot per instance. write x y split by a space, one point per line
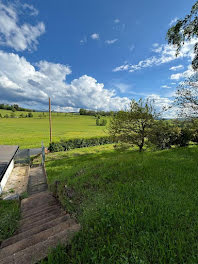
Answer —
7 152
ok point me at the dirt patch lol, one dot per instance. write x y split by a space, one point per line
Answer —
17 182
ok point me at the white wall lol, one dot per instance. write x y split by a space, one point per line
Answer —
6 175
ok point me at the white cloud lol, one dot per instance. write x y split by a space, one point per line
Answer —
116 21
122 87
175 68
186 74
165 86
173 21
132 47
112 41
166 54
95 36
32 9
22 82
83 41
164 102
16 35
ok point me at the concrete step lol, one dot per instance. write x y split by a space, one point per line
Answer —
30 220
36 200
34 239
38 213
26 213
37 252
34 230
37 223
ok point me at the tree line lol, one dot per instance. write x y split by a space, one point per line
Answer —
15 107
83 111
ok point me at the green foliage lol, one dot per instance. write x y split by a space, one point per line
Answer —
163 134
55 147
95 113
14 108
9 217
79 143
185 29
12 115
133 126
101 122
30 115
133 207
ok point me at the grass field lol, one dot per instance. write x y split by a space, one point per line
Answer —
133 207
9 216
30 132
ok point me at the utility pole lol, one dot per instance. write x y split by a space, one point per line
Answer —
50 120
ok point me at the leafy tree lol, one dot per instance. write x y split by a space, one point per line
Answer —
103 122
185 29
163 134
97 122
186 99
133 126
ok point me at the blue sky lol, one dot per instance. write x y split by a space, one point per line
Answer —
90 54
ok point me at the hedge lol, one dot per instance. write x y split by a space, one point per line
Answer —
65 145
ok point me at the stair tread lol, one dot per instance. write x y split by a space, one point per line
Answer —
35 239
40 222
34 230
37 252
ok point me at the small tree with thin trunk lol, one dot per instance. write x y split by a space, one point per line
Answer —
133 126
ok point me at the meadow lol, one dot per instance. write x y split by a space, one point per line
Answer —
30 132
133 207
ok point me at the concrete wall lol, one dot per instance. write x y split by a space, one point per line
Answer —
6 175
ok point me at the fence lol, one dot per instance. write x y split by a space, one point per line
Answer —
23 156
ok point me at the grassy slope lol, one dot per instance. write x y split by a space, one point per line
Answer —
133 207
30 132
9 216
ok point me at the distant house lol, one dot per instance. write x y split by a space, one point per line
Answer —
7 154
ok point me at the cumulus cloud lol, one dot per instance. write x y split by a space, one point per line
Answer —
22 82
19 36
175 68
165 54
95 36
112 41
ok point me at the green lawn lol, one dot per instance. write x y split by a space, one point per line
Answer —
9 217
133 207
30 132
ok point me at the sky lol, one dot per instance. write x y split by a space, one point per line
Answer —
90 54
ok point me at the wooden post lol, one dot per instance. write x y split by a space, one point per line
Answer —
50 120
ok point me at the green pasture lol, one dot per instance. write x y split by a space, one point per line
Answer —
30 132
133 207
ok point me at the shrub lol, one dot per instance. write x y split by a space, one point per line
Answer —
163 134
65 145
30 115
184 137
55 147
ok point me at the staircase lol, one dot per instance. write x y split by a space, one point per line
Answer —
42 226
